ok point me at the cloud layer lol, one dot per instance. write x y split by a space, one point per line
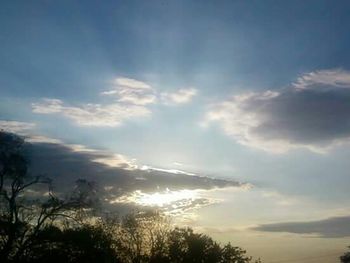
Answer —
117 177
131 99
329 228
313 113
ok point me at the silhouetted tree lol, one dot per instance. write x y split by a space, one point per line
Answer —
82 244
187 246
345 258
22 217
142 237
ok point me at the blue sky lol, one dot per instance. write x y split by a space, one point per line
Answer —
253 91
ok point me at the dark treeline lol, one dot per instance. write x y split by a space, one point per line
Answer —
38 225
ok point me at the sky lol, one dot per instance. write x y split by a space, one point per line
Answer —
232 116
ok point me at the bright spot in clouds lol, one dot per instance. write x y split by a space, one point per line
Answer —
158 199
165 198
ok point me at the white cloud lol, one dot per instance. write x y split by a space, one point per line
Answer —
312 113
132 91
109 115
42 139
133 96
335 78
104 157
136 96
131 99
172 171
132 83
117 160
180 96
52 106
22 128
26 129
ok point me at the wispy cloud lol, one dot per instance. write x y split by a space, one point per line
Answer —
18 127
109 115
132 91
173 171
333 77
26 129
131 99
180 96
132 83
311 113
141 93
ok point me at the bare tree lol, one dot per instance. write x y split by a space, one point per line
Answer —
23 216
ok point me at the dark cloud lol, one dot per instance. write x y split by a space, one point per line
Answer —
115 177
314 113
335 227
317 116
65 165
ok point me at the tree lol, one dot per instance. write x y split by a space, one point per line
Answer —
345 258
82 244
22 217
142 237
187 246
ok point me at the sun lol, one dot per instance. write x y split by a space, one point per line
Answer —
167 197
158 199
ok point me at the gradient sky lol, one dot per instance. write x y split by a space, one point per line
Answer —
252 91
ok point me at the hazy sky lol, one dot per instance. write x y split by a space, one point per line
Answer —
257 92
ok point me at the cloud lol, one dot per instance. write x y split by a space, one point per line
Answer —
118 177
67 162
180 96
48 106
312 113
170 202
26 129
109 115
132 83
131 99
173 171
18 127
141 93
336 78
334 227
132 91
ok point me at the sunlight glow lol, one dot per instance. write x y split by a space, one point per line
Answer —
165 198
159 199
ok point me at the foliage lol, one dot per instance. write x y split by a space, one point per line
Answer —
345 258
